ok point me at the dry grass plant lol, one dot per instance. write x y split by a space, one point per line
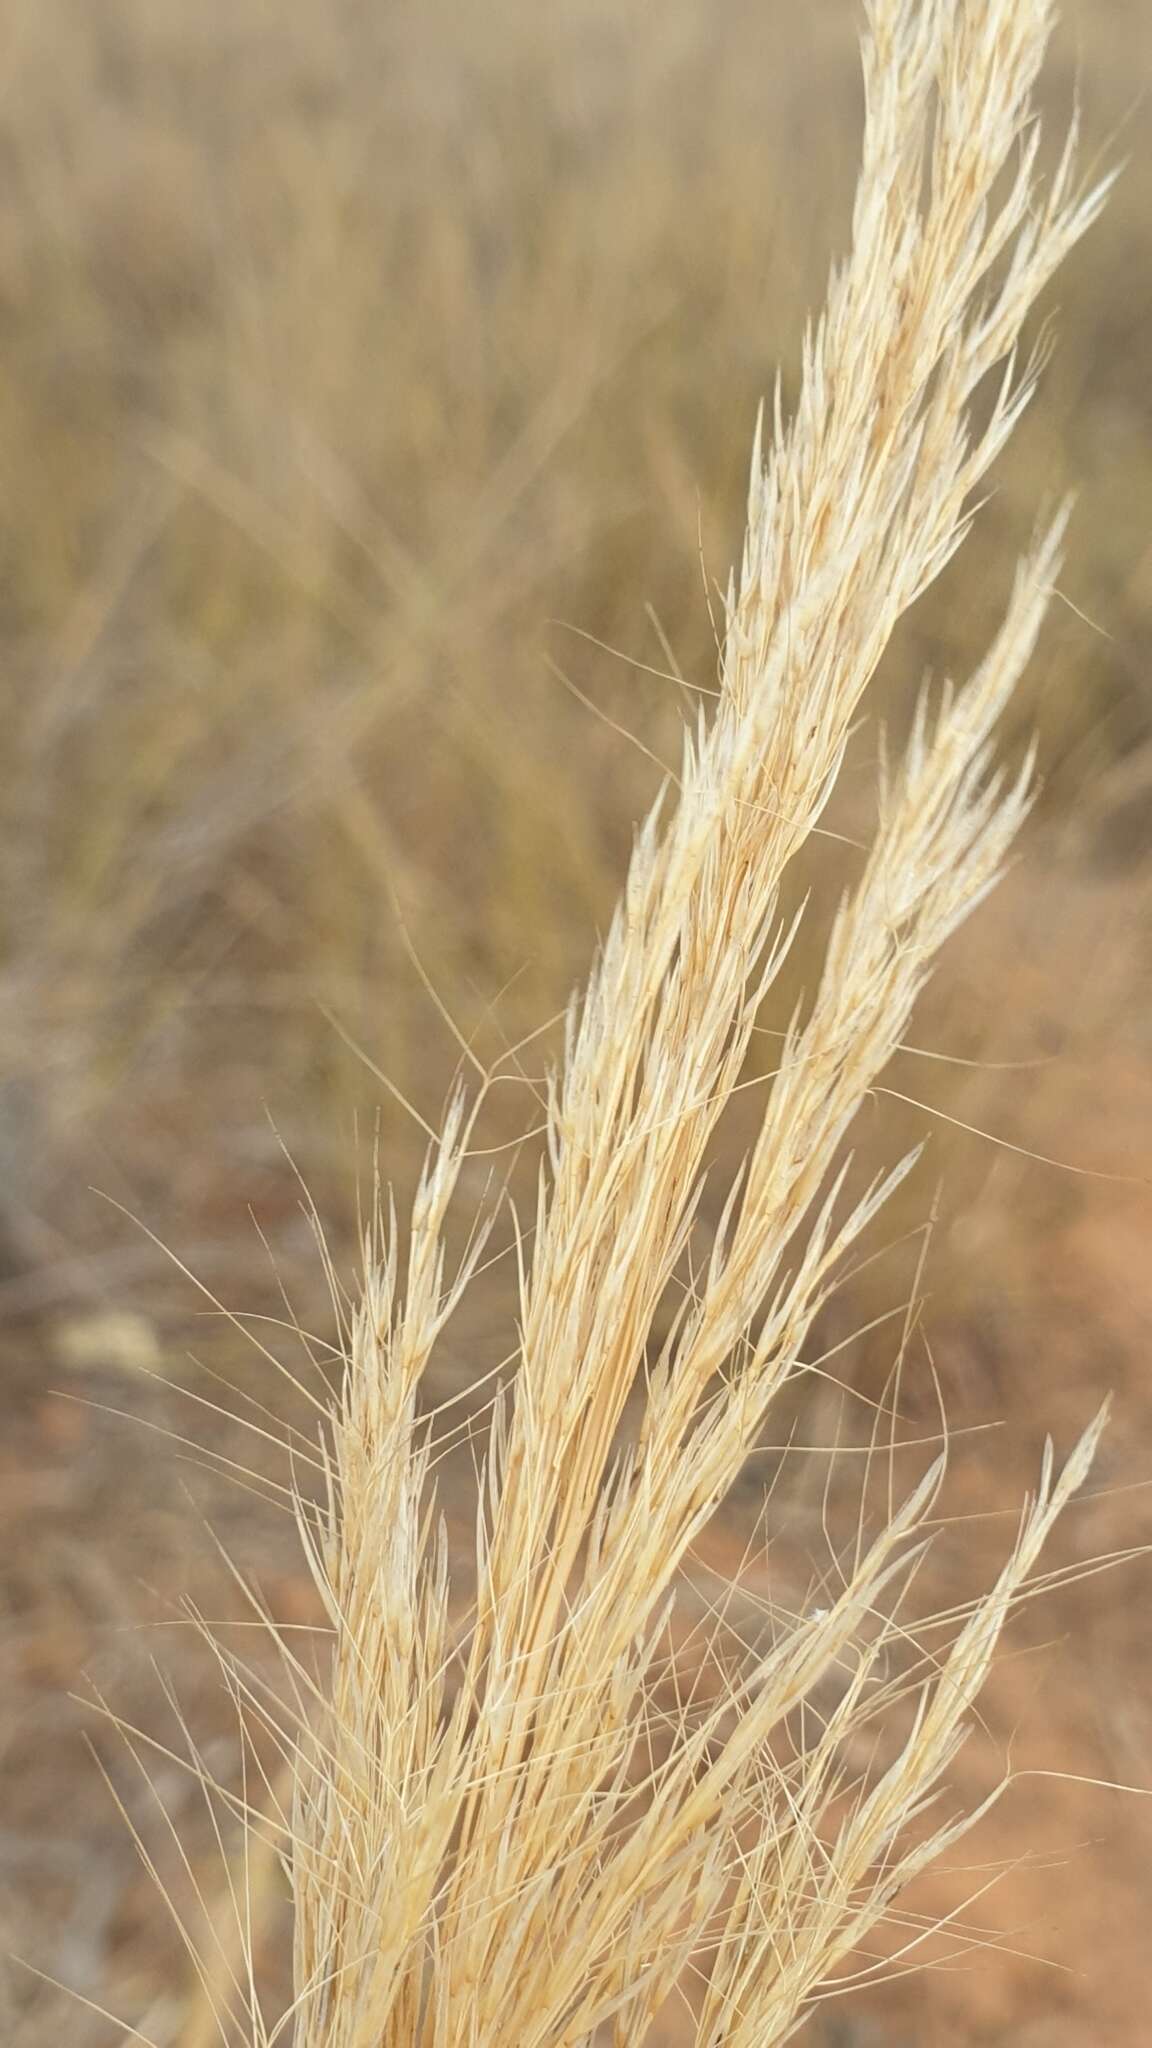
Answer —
500 1831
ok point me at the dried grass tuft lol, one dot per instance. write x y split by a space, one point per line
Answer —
501 1831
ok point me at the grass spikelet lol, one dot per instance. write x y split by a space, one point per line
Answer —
499 1833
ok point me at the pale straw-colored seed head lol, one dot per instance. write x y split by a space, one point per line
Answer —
499 1834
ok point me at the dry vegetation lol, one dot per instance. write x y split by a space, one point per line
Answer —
352 357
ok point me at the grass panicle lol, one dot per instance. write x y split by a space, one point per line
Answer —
511 1824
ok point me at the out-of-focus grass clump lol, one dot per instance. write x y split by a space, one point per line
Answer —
350 357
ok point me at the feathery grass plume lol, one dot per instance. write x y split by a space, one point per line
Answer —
498 1836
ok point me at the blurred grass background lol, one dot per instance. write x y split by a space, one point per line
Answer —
351 357
376 389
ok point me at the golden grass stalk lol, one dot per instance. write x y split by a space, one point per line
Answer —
500 1836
